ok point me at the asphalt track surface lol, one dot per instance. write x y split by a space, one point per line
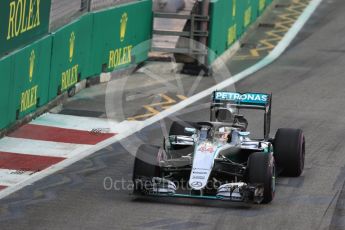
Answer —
308 87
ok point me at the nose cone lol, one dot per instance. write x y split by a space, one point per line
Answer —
202 165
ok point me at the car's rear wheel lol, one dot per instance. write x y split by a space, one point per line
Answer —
146 165
289 151
261 170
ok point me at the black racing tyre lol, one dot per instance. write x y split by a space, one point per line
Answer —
289 151
146 164
261 170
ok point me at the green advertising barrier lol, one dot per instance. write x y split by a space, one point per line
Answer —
255 10
71 60
31 77
231 26
225 30
102 41
220 38
117 31
238 7
21 22
229 20
262 5
247 13
6 70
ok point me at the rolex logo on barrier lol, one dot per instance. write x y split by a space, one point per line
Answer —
234 8
71 46
123 26
23 16
28 99
70 76
31 65
121 55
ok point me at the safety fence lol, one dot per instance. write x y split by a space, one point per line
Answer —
230 19
97 42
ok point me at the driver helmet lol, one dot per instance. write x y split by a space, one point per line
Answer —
223 133
204 133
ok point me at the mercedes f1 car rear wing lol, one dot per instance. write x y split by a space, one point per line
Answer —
231 100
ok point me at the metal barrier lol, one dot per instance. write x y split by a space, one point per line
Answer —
225 30
97 42
71 55
31 77
117 32
6 92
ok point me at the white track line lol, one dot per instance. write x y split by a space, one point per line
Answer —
12 177
73 122
132 127
40 148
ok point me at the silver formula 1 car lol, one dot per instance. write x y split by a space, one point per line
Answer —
217 159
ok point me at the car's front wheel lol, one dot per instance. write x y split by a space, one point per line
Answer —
261 170
146 165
